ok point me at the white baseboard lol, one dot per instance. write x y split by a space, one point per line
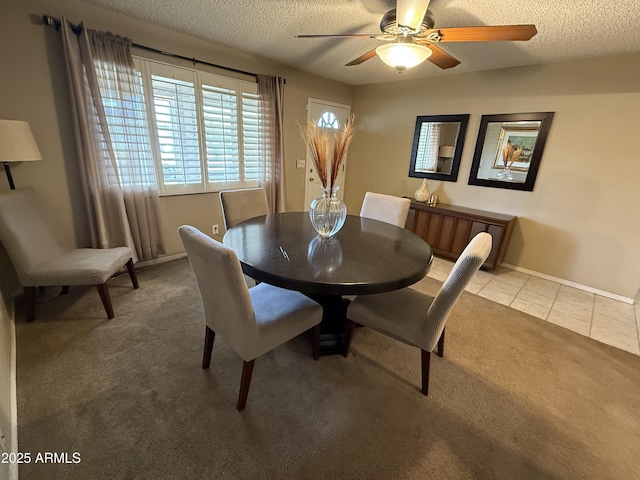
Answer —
159 260
569 283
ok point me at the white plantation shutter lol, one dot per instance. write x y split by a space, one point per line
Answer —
205 129
220 113
251 132
176 123
427 154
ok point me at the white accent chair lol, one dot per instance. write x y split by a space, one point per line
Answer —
41 260
252 321
413 317
240 205
386 208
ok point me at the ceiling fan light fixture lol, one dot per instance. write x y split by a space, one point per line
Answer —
403 55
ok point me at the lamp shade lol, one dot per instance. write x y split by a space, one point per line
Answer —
403 55
446 151
17 143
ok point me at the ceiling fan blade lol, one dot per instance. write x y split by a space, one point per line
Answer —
487 33
362 58
409 13
439 57
341 35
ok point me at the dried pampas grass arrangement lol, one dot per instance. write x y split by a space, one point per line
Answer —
317 140
510 154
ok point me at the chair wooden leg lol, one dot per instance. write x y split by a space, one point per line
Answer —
132 273
30 303
209 337
351 326
103 290
65 290
441 345
247 371
426 358
316 342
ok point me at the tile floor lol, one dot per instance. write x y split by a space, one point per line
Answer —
608 321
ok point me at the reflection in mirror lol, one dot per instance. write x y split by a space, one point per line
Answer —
509 149
437 146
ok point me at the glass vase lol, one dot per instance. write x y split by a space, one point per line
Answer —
328 213
505 174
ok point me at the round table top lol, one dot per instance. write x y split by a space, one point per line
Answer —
365 256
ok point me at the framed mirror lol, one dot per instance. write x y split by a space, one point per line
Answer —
509 149
437 146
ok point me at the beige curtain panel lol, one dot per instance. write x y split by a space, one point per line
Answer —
114 152
271 95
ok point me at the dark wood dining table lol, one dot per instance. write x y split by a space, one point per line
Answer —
366 256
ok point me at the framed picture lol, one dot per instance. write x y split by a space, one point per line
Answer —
509 150
520 139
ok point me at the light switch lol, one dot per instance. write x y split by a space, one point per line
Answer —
300 163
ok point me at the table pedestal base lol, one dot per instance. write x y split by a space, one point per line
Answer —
333 327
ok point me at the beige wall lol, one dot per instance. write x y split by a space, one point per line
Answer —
581 222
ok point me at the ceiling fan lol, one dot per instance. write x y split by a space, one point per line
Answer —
409 29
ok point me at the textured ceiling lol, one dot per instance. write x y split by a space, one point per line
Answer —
567 29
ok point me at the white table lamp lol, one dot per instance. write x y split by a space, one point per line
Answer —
16 145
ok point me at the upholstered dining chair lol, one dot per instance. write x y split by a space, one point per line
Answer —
385 208
413 317
41 260
240 205
252 321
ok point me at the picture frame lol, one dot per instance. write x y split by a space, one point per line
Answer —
526 132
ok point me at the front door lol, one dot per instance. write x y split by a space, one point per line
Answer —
331 116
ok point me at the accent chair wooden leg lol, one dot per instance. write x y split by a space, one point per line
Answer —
316 342
30 303
132 273
209 337
65 290
103 290
441 345
247 371
426 359
351 326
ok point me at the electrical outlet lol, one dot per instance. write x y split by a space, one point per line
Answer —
300 163
216 230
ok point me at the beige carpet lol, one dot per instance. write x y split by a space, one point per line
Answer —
514 398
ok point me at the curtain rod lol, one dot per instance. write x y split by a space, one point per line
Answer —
55 22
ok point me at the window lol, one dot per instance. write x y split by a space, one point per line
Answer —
329 120
203 129
427 153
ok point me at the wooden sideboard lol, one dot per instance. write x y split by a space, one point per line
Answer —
448 229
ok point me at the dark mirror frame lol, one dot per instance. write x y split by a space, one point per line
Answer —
545 124
457 152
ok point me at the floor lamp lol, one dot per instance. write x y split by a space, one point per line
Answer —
16 145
